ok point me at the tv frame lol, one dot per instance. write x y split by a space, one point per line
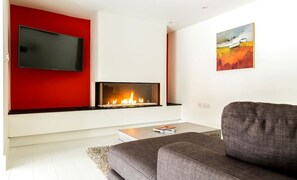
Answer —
42 30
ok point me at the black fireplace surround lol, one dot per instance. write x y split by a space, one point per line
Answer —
126 94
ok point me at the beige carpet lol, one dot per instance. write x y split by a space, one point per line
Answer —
99 156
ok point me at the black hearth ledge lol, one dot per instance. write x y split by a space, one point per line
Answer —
173 104
65 109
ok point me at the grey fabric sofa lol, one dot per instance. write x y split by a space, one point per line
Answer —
260 142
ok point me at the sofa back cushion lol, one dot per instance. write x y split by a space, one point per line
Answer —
262 133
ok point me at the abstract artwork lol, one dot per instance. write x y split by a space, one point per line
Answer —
235 48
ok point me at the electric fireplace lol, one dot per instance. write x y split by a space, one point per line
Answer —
126 94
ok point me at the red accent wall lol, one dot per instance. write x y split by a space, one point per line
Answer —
36 88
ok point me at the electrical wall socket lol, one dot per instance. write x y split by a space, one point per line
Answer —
203 105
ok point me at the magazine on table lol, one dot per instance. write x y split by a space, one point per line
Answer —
167 129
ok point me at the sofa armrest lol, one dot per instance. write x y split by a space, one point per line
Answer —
187 161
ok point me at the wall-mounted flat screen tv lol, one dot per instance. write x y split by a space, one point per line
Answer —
49 50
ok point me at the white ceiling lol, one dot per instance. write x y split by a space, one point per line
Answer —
176 14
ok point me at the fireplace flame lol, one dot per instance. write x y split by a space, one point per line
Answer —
114 101
130 100
138 101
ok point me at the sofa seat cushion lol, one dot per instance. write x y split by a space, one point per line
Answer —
261 133
138 159
187 161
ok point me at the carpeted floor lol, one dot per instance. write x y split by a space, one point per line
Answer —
99 156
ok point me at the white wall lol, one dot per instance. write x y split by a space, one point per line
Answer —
1 89
131 50
5 66
193 51
94 56
123 49
4 48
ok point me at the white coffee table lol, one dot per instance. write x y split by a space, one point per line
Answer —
132 134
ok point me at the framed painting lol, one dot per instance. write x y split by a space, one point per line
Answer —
235 48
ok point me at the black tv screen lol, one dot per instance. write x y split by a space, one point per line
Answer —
48 50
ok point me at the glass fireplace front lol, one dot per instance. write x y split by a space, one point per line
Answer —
126 94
